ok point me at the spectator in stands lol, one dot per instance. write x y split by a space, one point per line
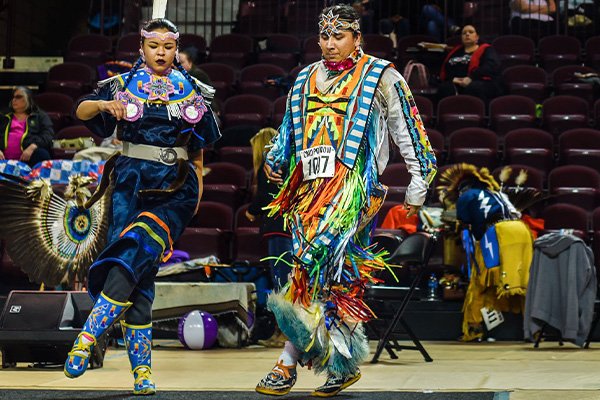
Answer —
393 17
187 57
435 21
27 130
532 18
471 68
279 239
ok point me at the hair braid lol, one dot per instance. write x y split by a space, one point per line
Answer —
135 67
188 77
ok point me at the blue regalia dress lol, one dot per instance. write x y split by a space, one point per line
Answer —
153 200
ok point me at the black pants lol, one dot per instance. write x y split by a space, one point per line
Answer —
40 154
120 287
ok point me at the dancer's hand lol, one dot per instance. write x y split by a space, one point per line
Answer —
273 176
114 108
28 152
412 210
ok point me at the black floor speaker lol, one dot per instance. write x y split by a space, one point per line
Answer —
40 327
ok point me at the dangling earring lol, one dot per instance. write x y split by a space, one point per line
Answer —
177 56
142 55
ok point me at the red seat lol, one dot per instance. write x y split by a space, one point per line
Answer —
311 51
526 80
227 173
213 215
237 136
225 183
596 236
222 77
58 106
237 155
379 46
295 71
196 41
71 78
566 216
477 146
514 50
253 80
90 49
530 146
566 83
596 220
258 18
209 233
282 50
561 113
279 106
204 242
247 109
436 139
128 47
230 195
580 147
511 112
592 52
249 245
558 50
397 178
461 111
232 49
596 116
575 184
425 107
302 17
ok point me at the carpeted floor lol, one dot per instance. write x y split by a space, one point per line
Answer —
205 395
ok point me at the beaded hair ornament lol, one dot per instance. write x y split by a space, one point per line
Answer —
160 35
330 24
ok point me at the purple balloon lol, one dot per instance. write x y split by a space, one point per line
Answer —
197 330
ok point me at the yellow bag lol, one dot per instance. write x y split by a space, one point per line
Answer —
79 143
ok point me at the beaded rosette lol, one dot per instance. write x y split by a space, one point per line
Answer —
193 110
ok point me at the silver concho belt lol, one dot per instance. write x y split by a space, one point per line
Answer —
165 155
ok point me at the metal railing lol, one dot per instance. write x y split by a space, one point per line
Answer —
259 18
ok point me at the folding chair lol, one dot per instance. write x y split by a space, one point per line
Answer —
415 250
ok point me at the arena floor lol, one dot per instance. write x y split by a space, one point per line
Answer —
551 372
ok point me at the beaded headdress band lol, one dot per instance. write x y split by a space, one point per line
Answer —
160 35
330 24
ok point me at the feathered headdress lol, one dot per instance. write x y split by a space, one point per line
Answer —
451 179
521 197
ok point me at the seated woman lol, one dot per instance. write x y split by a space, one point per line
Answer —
471 68
27 130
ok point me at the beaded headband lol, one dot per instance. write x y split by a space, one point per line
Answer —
160 35
330 24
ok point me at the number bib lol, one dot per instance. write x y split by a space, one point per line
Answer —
318 162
